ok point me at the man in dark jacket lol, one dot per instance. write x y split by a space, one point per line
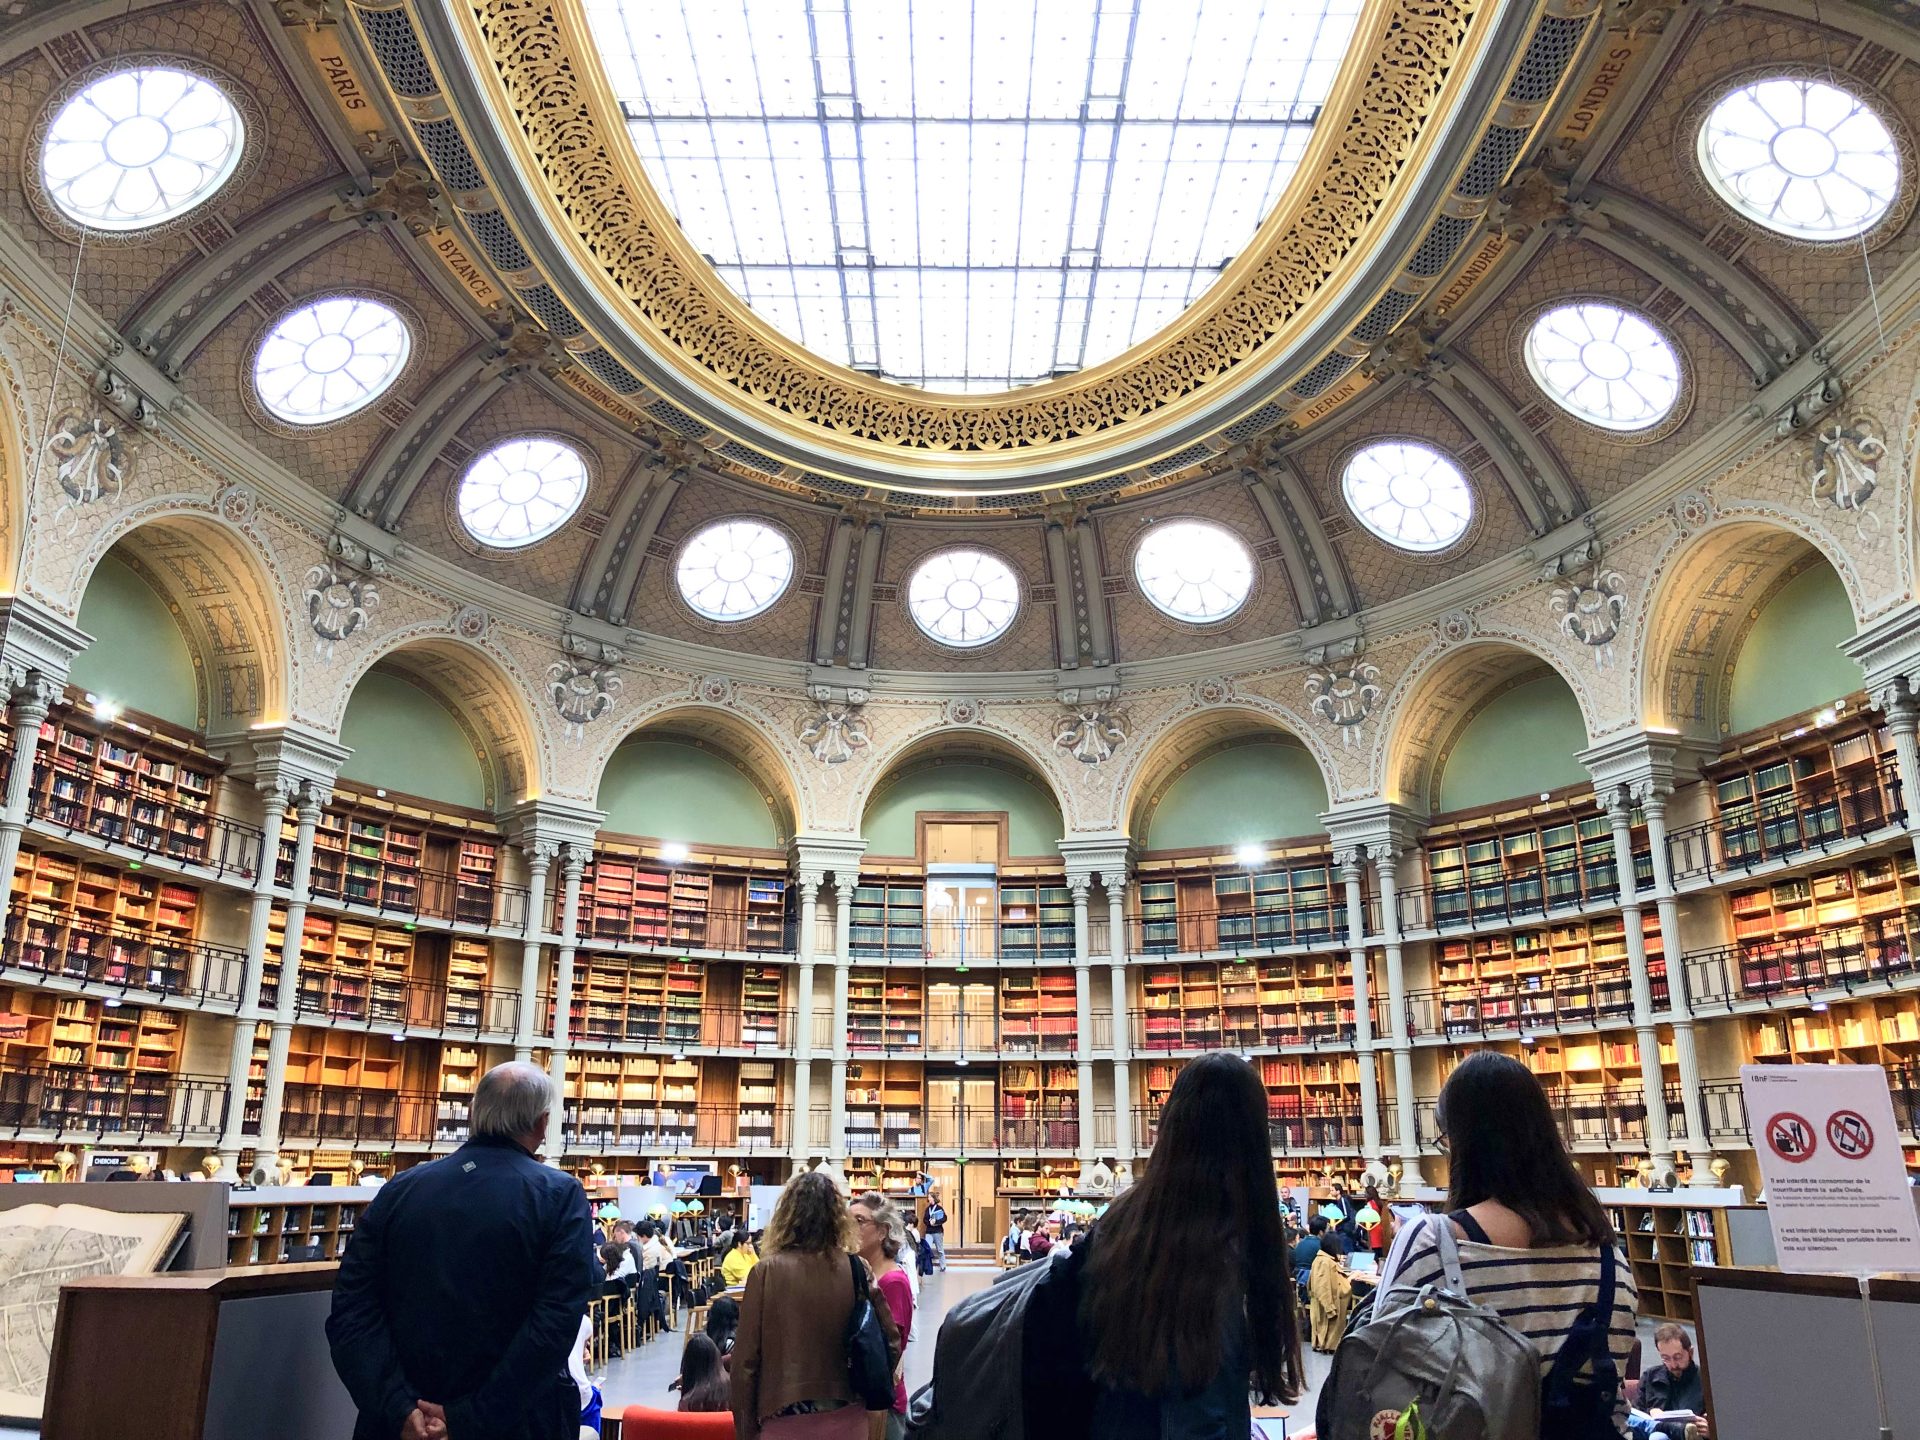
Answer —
462 1292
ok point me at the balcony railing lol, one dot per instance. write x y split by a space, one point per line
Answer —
123 1104
712 1027
965 942
653 927
964 1128
609 1125
1206 932
1777 830
58 945
1838 958
1509 899
1616 1115
968 1031
351 1115
225 846
1543 1003
1330 1126
401 1004
1157 1031
410 894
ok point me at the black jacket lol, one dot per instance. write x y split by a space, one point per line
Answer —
465 1284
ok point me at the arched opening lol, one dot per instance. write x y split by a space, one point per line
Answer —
1522 737
1250 789
140 657
678 785
935 803
1789 660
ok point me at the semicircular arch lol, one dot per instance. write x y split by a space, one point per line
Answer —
742 739
960 742
1194 735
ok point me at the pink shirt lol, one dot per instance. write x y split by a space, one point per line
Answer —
898 1291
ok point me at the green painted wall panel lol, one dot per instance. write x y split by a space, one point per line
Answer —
404 739
670 790
1521 743
139 656
1788 662
1034 826
1241 795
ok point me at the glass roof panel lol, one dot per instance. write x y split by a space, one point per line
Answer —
970 197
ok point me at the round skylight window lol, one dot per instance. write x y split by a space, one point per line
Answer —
963 598
140 147
330 358
1802 158
1409 495
1193 571
1604 364
735 570
521 491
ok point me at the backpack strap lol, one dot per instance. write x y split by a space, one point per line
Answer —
1449 1249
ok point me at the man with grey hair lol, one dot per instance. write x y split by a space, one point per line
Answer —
460 1297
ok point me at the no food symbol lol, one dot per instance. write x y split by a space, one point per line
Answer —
1850 1135
1790 1137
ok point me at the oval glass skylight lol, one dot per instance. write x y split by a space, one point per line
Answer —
963 598
874 188
140 147
1802 158
521 491
735 570
1193 571
330 358
1604 364
1409 495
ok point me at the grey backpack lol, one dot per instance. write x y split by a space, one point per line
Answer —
1432 1365
977 1365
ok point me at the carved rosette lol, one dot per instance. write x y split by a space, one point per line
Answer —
1691 511
582 693
1214 690
237 504
964 712
833 732
1090 733
1455 627
1591 605
1345 691
715 690
472 622
339 606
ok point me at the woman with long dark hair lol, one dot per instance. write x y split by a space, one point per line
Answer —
1530 1231
1179 1301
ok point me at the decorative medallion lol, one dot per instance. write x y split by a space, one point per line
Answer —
715 689
1214 690
1844 469
1592 603
1345 690
964 712
1455 627
1091 733
472 622
1691 510
339 606
582 692
89 460
237 504
833 732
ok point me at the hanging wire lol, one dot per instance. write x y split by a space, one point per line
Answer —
59 356
1866 259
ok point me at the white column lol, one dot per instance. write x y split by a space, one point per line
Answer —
1385 869
1618 803
800 1136
1352 867
1686 1052
843 887
1897 703
273 810
32 698
1079 886
287 993
539 855
573 864
1122 1038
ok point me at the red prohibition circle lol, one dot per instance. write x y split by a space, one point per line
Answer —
1791 1137
1850 1135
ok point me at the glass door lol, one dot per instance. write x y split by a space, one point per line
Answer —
962 910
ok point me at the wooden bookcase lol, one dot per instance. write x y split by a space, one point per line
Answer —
1592 1081
1849 914
1190 904
372 851
757 1102
886 1101
1663 1242
1205 1005
637 1000
1571 972
127 783
1772 798
277 1232
1039 1105
120 926
647 1100
761 996
888 917
469 963
1520 863
78 1061
1037 1012
1881 1031
349 969
1036 921
707 902
886 1010
461 1067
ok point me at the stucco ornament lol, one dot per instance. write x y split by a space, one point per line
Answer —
1213 690
1591 604
237 504
583 691
1844 469
1345 690
1090 733
471 622
1691 510
715 689
833 732
1455 627
339 606
89 460
964 712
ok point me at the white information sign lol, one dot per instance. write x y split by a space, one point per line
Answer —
1829 1151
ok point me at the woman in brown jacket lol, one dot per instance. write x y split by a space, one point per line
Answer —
789 1365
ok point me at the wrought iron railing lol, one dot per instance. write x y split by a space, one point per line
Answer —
614 1125
752 1028
1544 1002
138 1105
1534 895
111 814
55 944
1746 836
1839 957
400 1005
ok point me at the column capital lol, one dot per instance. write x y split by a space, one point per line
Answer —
1103 852
31 694
1351 861
552 822
540 853
1645 762
1080 884
844 884
1896 700
809 878
1888 650
296 759
34 639
1380 827
826 854
573 861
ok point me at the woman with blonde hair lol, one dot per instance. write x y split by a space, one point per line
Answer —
789 1371
883 1236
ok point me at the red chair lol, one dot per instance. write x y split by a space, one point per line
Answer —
637 1422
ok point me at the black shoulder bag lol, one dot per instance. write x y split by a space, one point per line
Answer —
869 1361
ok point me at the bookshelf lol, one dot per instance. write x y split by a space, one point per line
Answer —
1191 904
1569 973
757 1103
636 1000
369 851
461 1067
888 918
885 1104
1593 1084
1777 798
635 1100
1845 915
1494 867
1881 1031
469 962
344 1084
1204 1005
886 1010
102 923
1037 1012
761 995
95 1060
1039 1105
629 897
125 783
274 1232
349 970
1664 1242
1036 922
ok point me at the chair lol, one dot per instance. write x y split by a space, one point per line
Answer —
637 1422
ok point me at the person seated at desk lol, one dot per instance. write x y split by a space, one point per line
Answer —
1675 1385
739 1262
619 1264
1306 1249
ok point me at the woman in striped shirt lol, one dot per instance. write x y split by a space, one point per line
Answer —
1530 1230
